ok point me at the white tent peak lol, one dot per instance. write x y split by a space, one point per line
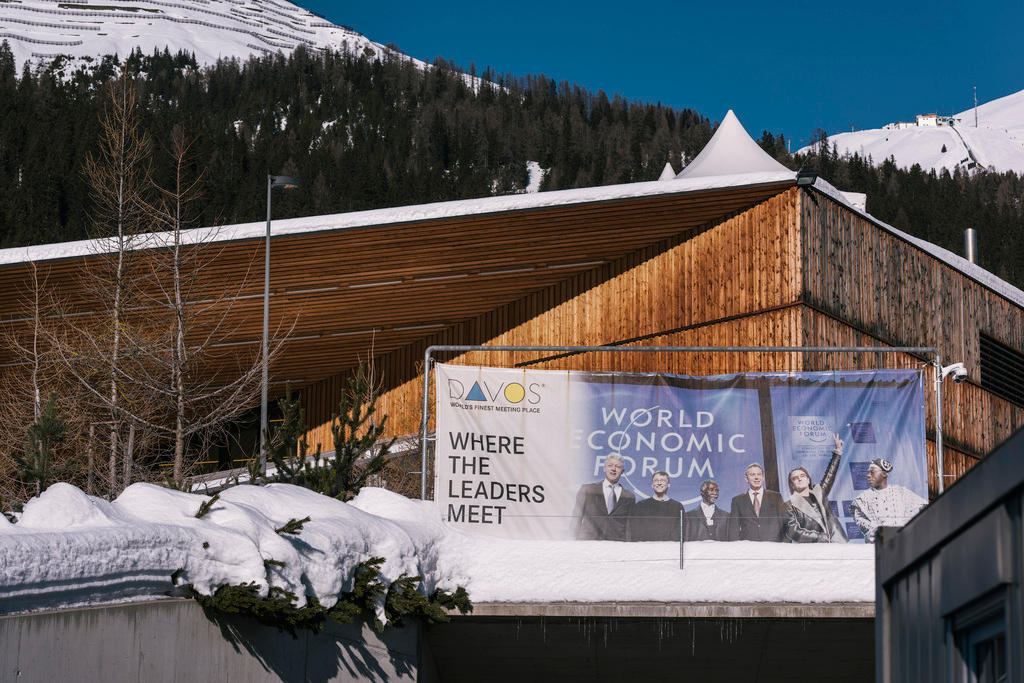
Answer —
667 173
730 151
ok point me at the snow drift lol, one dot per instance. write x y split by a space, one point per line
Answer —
69 548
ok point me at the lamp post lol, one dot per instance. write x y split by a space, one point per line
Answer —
282 182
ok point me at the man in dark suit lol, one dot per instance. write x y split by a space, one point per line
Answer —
757 514
602 508
707 521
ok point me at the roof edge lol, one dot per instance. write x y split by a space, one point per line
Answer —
983 277
405 215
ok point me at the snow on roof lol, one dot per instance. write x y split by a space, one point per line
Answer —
69 548
415 213
729 151
858 200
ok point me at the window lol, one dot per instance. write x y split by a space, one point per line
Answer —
984 653
1002 370
980 635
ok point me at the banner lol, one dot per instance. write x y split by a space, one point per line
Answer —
531 453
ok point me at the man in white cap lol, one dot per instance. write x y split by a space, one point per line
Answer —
884 504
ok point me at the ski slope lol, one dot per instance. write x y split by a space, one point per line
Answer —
39 30
996 144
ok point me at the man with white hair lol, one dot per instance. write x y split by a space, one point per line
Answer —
602 508
884 504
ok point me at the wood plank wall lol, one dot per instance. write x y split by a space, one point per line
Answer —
790 270
694 289
865 285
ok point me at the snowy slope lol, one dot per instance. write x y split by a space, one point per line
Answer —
41 29
997 143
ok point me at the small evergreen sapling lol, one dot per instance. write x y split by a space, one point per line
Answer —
41 437
286 442
356 433
359 449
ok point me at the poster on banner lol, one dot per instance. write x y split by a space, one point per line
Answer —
877 414
527 453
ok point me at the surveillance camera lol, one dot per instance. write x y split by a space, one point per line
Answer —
958 370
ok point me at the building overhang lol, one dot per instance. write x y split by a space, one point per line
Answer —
352 286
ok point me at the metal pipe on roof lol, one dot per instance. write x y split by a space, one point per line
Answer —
971 245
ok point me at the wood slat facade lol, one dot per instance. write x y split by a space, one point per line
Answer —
347 293
763 265
796 269
887 290
648 292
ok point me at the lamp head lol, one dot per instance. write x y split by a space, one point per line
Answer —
805 178
283 182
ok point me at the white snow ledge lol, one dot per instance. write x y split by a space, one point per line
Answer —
70 549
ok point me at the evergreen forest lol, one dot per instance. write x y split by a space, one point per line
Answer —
360 133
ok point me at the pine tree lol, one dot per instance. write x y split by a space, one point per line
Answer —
42 436
357 435
360 452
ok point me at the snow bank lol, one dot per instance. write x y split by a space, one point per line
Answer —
603 571
69 548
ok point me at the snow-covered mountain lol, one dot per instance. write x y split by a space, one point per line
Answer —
997 143
38 30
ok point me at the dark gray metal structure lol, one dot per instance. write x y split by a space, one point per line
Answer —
949 600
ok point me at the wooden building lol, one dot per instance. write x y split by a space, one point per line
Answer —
734 251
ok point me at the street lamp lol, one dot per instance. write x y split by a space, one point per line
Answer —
282 182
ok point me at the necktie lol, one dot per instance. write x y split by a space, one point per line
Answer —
757 504
609 499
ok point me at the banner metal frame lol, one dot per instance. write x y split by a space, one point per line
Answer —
936 363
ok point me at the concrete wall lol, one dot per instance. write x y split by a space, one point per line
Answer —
174 640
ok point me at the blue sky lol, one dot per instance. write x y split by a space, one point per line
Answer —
787 67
